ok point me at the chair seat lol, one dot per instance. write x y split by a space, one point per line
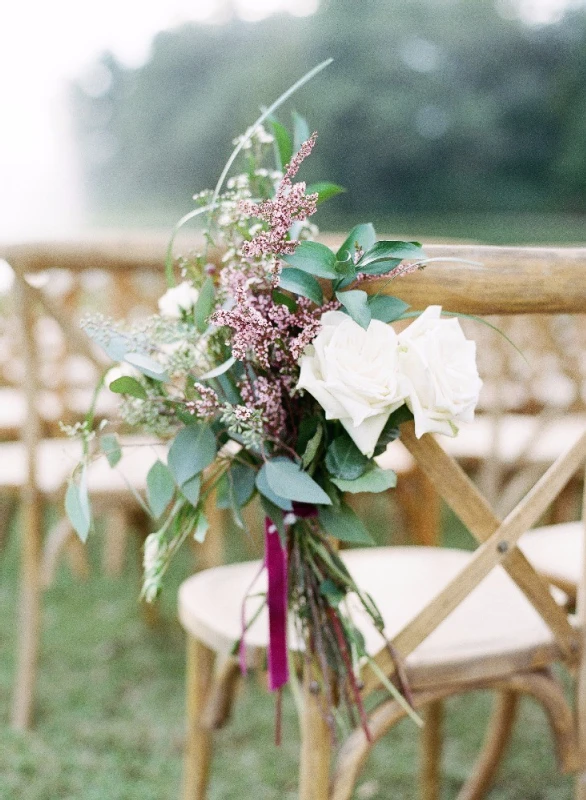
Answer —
493 632
556 551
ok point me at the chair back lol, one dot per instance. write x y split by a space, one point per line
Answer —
502 281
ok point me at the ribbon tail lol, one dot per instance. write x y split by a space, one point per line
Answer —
276 562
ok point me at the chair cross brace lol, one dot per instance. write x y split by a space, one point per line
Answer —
498 545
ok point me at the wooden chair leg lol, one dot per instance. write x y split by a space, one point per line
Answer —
116 535
314 770
198 745
431 752
29 618
496 741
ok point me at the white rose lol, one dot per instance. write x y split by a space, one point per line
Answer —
353 374
440 365
178 299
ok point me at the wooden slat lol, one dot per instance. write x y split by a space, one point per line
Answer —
508 280
495 549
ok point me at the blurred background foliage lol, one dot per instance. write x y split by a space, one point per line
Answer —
441 117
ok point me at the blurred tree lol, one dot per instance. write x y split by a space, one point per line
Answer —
430 106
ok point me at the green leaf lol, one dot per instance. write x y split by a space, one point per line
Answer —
238 486
147 365
160 488
299 282
77 506
325 190
287 479
265 490
284 300
387 251
301 132
110 447
373 480
201 528
362 235
116 347
333 594
380 267
217 371
128 385
391 430
275 514
355 301
310 451
313 258
204 305
193 449
344 525
386 308
283 146
190 490
344 460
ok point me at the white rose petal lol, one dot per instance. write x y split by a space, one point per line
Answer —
440 366
354 375
178 299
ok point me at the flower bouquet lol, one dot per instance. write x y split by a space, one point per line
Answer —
274 373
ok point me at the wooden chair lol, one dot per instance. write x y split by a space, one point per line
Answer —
461 621
54 284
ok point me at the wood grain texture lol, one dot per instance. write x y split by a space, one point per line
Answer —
504 280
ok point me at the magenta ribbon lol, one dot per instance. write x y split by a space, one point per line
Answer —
276 562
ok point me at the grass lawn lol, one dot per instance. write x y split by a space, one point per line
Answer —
110 713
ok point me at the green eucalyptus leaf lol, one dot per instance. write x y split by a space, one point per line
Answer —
267 492
325 190
77 506
116 347
204 305
344 524
147 365
275 514
387 250
344 460
333 594
191 489
283 146
310 451
362 235
284 300
386 308
201 528
391 430
217 371
110 447
237 486
287 479
128 385
355 301
193 449
380 267
299 282
160 488
313 258
373 480
301 132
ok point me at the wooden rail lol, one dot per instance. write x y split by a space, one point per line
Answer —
531 279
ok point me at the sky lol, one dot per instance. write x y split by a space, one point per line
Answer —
45 43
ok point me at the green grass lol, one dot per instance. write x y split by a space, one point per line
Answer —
110 712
